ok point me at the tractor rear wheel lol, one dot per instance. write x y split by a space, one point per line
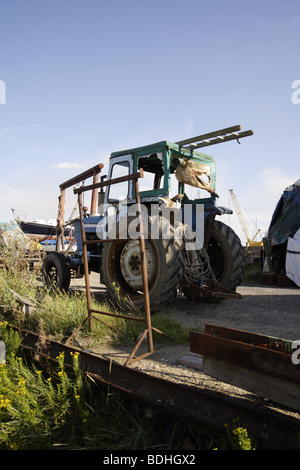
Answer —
226 255
121 269
226 259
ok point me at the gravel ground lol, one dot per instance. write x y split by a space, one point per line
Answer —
270 310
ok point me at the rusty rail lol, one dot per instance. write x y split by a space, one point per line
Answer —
202 407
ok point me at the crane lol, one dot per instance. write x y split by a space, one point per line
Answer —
250 242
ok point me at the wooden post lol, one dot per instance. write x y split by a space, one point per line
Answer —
60 220
94 199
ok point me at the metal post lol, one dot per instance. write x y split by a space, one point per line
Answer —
85 260
144 268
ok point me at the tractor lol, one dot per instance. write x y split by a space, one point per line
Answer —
187 249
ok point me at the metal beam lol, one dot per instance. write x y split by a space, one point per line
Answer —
252 355
216 137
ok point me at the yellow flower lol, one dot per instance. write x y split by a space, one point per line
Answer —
4 402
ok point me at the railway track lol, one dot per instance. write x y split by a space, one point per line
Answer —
204 408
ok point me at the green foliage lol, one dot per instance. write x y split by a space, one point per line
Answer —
55 314
47 412
58 314
237 438
36 411
59 410
129 331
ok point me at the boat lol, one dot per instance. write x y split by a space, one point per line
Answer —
38 230
42 230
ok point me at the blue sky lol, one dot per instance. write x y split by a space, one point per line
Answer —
87 78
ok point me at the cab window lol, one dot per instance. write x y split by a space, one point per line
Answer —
119 191
153 172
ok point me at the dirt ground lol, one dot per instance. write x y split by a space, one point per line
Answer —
269 310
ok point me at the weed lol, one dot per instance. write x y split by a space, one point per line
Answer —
237 438
57 314
59 410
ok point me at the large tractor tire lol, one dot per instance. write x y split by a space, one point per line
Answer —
56 272
122 274
226 260
226 255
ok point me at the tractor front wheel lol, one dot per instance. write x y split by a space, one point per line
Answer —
121 267
56 272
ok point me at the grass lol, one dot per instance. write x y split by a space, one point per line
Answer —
56 410
57 314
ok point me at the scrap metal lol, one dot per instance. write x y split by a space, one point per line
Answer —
199 406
